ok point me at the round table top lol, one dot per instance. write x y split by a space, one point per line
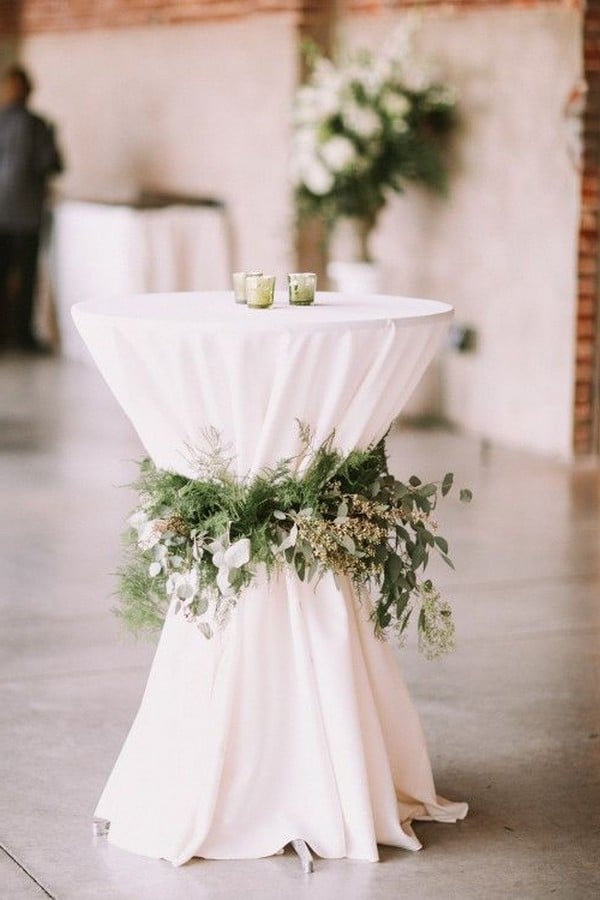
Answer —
181 363
215 311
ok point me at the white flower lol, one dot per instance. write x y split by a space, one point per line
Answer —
310 106
289 541
227 556
317 178
305 145
327 103
396 105
150 534
417 75
436 625
327 76
338 153
197 549
362 120
154 569
138 519
183 585
380 72
318 101
370 75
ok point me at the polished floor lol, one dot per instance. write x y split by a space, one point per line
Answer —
512 717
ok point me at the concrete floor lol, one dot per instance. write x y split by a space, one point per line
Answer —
512 717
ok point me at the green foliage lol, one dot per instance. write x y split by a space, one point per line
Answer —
197 543
142 608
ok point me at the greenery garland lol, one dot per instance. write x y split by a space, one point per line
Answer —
197 543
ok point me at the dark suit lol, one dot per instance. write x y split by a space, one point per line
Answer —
28 157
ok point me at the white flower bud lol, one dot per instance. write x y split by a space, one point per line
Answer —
338 153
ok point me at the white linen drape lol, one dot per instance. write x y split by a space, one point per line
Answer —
294 722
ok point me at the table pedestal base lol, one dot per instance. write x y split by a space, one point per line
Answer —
305 856
292 723
101 827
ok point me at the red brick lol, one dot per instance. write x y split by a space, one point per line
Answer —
586 327
588 265
585 350
587 306
588 287
583 393
584 372
583 412
589 221
588 244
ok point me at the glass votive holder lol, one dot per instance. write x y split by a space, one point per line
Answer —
260 291
301 288
239 285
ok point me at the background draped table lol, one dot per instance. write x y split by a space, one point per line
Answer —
294 722
103 250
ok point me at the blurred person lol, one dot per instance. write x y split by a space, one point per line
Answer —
29 156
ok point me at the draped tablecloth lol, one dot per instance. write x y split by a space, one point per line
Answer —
114 250
294 721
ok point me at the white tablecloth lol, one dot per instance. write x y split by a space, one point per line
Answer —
294 722
102 250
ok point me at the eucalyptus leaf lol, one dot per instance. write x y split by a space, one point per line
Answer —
429 537
393 568
201 606
442 543
347 543
407 503
418 556
447 483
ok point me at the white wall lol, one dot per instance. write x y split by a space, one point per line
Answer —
502 248
199 109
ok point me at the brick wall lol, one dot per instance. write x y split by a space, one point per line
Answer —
377 6
65 15
587 387
72 15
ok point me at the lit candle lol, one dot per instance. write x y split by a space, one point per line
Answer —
301 288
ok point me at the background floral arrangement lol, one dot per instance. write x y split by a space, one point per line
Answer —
364 128
197 543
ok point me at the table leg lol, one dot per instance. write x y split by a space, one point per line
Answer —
305 855
100 827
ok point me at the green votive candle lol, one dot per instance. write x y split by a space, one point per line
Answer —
301 288
239 285
260 291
